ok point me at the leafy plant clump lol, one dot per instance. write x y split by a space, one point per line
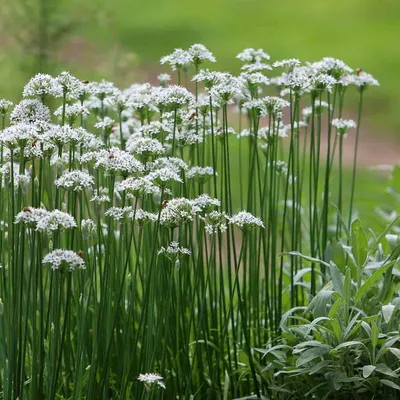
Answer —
142 237
346 342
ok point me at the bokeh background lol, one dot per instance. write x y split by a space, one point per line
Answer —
123 40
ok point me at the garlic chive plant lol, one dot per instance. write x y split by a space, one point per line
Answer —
142 229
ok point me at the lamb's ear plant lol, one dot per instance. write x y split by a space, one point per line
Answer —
346 342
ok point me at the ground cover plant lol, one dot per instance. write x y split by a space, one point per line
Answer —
192 240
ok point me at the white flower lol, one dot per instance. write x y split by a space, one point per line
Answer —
18 135
256 67
145 147
62 135
116 161
173 163
75 180
200 174
343 125
30 111
199 53
151 378
164 78
177 212
42 85
55 220
331 66
118 213
70 85
215 222
138 186
173 250
289 64
175 97
164 176
102 89
45 221
253 56
106 124
318 108
210 78
5 106
155 128
364 79
178 59
226 90
205 203
101 196
245 221
64 259
72 112
254 78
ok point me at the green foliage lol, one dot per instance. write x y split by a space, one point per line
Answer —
346 343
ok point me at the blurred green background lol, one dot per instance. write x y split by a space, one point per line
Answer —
123 40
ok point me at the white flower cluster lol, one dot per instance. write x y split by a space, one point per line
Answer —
43 220
180 58
173 250
75 180
200 174
151 379
61 260
245 221
343 125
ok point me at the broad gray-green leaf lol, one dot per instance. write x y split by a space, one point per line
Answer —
387 312
390 384
395 351
335 307
300 274
309 355
318 367
307 258
337 279
346 344
384 369
371 281
368 370
289 313
320 301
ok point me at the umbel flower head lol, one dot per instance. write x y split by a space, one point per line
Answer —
151 379
178 59
42 85
5 105
45 221
245 221
343 125
61 260
174 250
75 180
